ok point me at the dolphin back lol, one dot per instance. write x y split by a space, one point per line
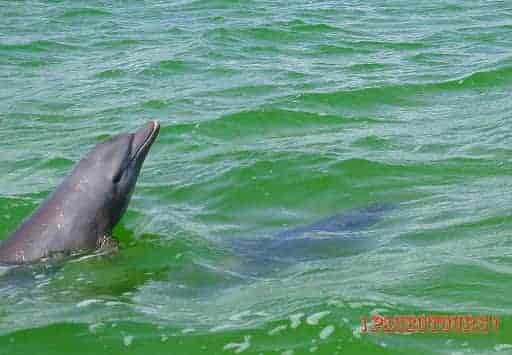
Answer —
336 235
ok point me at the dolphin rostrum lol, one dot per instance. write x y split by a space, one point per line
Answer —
85 207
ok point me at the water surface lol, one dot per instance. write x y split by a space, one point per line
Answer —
274 114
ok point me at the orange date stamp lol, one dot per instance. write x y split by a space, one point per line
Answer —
476 324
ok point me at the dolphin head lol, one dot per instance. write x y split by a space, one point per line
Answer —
89 202
115 165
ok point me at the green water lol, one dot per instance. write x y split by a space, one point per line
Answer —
274 114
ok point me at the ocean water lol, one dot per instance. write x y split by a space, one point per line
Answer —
274 114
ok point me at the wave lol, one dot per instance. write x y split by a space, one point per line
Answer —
168 67
81 12
258 33
401 93
111 73
302 26
388 45
36 46
212 4
265 121
119 43
334 49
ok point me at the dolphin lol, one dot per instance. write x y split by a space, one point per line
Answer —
334 236
81 213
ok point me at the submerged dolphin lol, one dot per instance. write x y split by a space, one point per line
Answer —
338 235
85 207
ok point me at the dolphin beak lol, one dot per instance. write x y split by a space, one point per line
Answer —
143 138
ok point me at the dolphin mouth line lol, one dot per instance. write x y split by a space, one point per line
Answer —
150 138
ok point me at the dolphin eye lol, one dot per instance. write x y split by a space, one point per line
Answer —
117 177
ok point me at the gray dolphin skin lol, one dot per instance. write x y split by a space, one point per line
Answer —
332 236
86 206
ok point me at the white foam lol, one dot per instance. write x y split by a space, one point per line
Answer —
93 328
295 320
326 332
277 329
501 347
220 327
239 347
113 303
127 340
239 316
316 317
86 303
